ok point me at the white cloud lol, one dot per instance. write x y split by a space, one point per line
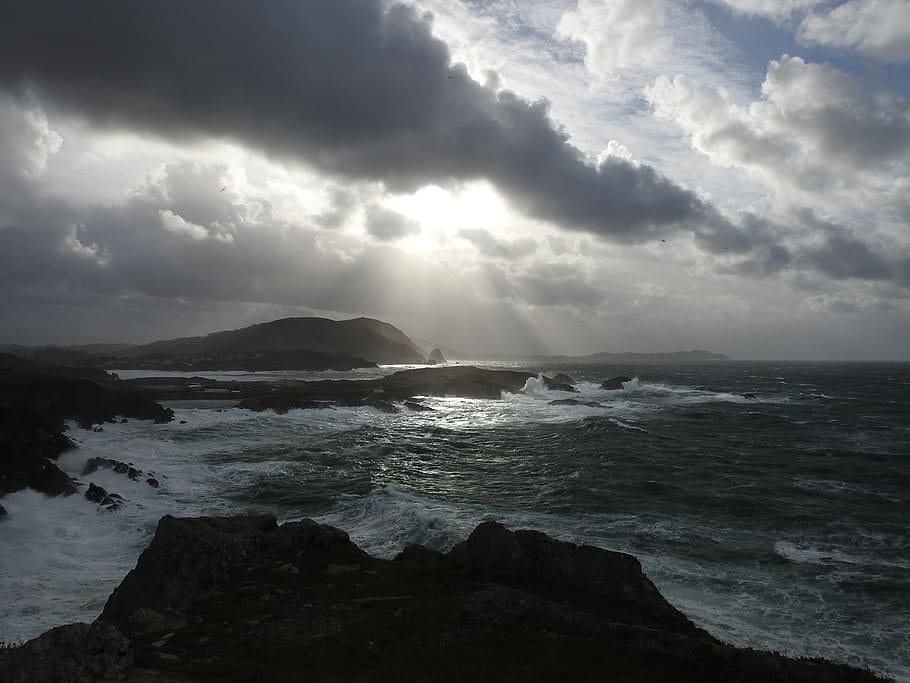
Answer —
26 139
178 225
617 33
816 136
875 28
771 9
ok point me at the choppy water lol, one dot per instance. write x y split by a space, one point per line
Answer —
779 522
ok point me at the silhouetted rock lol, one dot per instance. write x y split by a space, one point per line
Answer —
417 407
3 512
154 483
435 357
77 653
465 381
575 402
95 493
562 378
553 385
244 599
749 395
26 443
615 382
188 558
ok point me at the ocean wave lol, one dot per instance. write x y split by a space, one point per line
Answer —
810 554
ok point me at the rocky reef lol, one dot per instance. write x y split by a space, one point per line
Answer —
244 599
35 403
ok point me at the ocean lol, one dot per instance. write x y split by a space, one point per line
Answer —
780 521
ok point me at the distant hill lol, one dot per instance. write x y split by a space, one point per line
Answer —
286 344
361 338
698 356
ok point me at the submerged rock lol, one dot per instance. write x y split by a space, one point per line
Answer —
615 383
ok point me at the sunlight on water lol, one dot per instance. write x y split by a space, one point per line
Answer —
772 515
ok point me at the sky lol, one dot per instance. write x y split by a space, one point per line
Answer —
494 176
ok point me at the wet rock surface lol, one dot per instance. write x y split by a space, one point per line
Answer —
382 393
615 383
36 401
245 599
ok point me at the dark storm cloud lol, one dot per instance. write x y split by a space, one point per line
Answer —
842 256
541 285
385 224
341 85
491 246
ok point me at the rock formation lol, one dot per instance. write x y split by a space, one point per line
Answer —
615 383
245 599
435 357
36 401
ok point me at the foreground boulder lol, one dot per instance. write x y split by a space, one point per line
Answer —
77 653
244 599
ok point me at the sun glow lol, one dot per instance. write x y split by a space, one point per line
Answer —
442 213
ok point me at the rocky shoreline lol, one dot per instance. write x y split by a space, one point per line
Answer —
244 599
37 400
35 403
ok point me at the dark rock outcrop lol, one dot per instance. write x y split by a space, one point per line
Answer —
464 381
77 653
188 558
417 407
553 385
3 512
95 493
35 402
615 383
244 599
92 465
110 501
575 402
435 357
562 378
26 444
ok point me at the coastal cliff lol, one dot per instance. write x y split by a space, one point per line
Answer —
244 599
